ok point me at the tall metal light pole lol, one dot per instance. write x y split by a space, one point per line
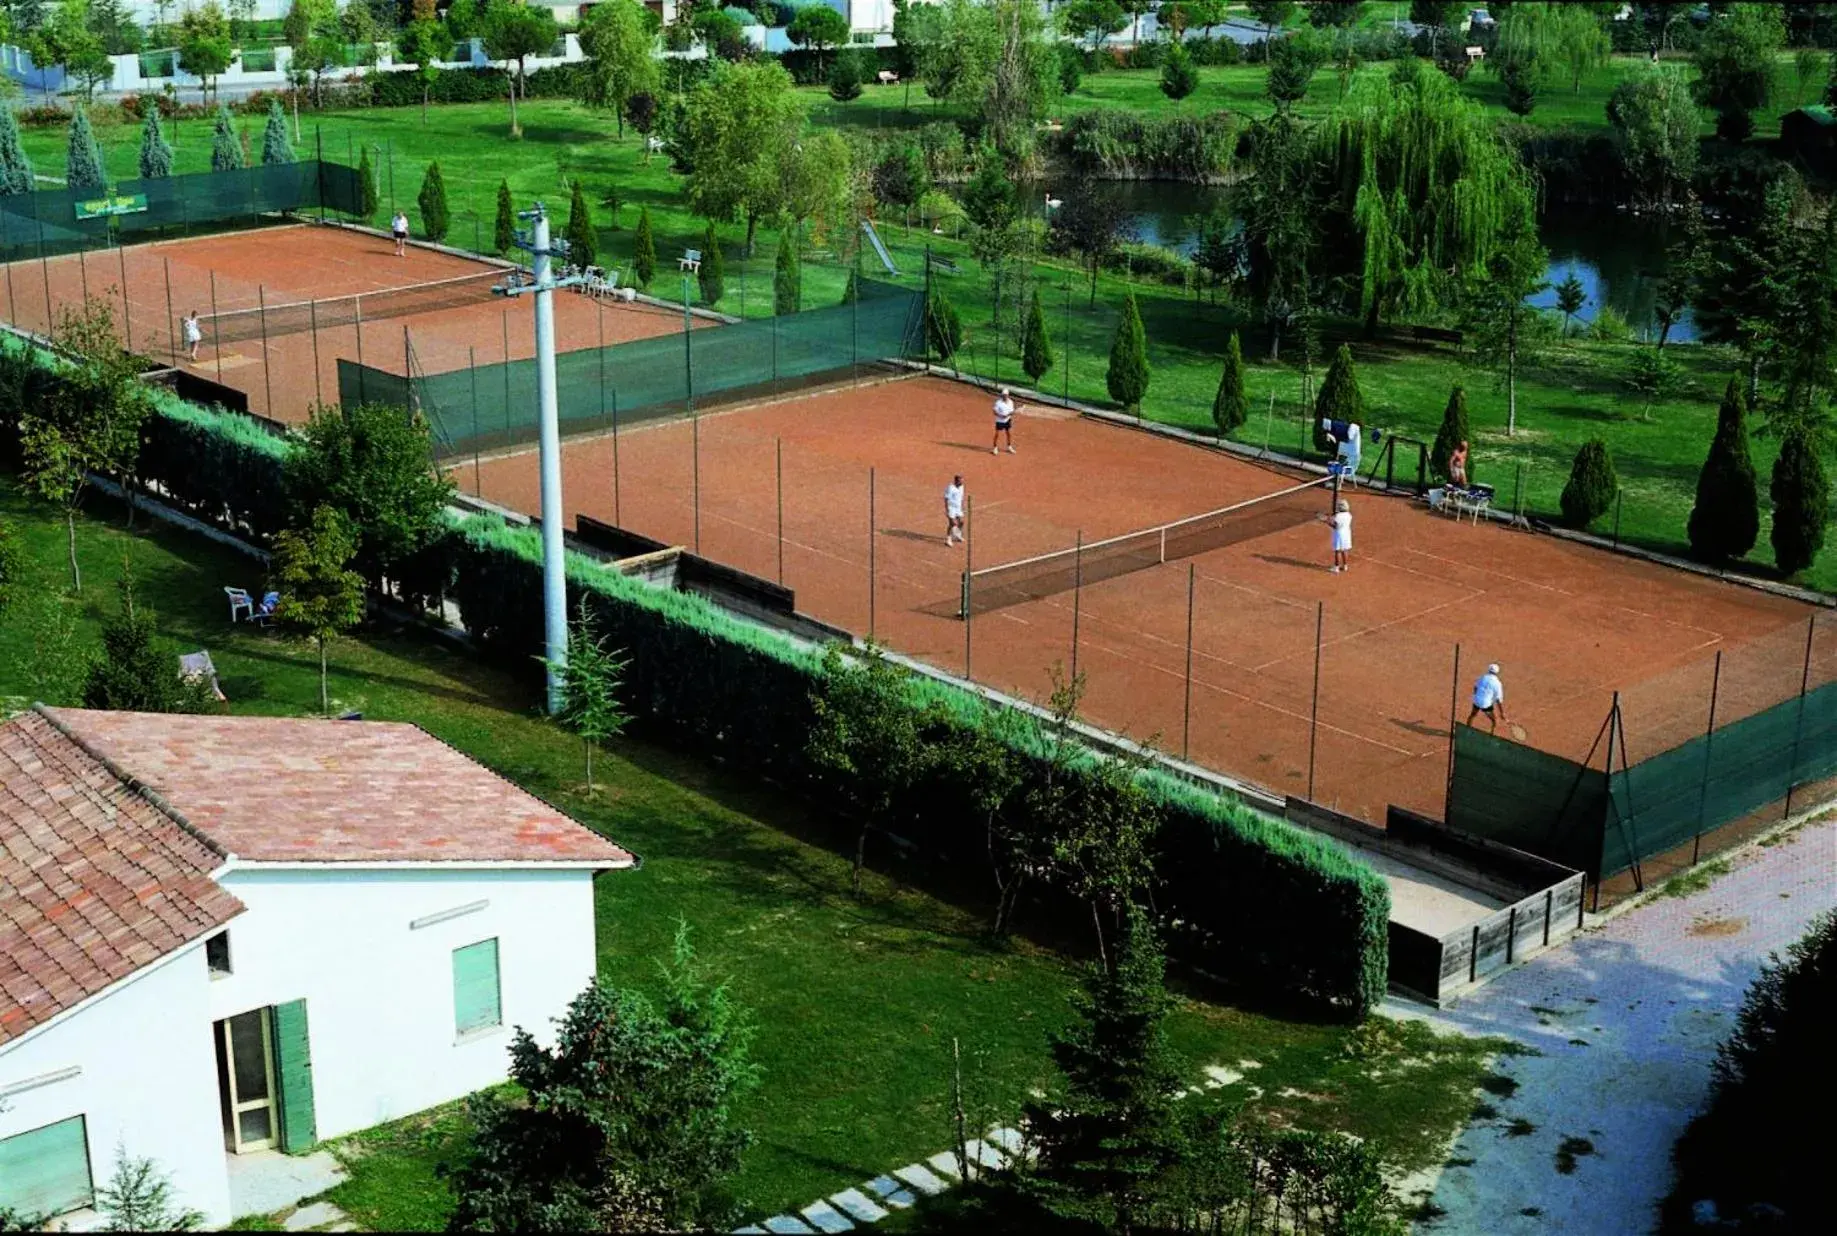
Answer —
554 575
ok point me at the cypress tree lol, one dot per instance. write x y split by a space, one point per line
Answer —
83 162
1231 407
505 234
1127 378
432 199
225 146
644 252
1725 522
366 187
851 291
943 326
275 146
15 168
133 672
787 275
1036 348
155 150
711 276
1339 398
1801 502
583 238
1452 433
1592 485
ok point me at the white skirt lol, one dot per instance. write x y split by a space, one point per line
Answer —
1342 541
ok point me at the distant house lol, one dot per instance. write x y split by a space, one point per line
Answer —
226 936
1809 134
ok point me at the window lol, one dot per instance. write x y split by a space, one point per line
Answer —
46 1172
217 954
475 987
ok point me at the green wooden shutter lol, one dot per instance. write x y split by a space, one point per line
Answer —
293 1078
475 986
46 1172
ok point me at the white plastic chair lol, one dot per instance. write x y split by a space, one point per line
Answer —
240 603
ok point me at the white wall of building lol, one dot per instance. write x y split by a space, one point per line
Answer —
146 1080
379 993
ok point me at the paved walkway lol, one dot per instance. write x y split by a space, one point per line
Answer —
1626 1020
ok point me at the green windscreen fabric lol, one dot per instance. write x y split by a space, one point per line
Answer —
1526 798
650 378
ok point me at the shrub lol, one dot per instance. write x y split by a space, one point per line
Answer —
644 250
83 169
1610 325
1592 485
366 187
1452 433
1178 76
943 328
225 143
1231 407
1127 377
1130 145
504 232
432 200
1340 398
1036 348
15 167
787 275
845 78
1801 502
712 276
582 237
1725 522
275 146
155 150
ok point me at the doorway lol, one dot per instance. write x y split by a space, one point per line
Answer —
245 1081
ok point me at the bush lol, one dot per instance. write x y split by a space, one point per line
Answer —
1130 145
1127 377
1340 398
432 199
1725 522
1450 435
943 328
1036 348
845 77
583 238
1215 51
712 275
1231 407
1801 503
1610 325
787 275
1178 76
1156 262
1592 485
644 250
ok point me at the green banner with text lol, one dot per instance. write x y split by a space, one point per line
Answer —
118 204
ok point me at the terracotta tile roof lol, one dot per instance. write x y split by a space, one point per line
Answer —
282 789
96 880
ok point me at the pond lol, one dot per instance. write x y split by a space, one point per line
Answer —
1616 256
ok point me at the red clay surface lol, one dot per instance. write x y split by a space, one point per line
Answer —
288 265
1569 625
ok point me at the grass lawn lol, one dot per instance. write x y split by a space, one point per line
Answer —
857 1000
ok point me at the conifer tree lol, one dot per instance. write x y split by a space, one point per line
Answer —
1127 377
1725 522
1801 502
133 672
366 187
1593 485
432 200
1231 407
225 145
1340 398
943 326
505 233
1452 433
15 168
83 169
582 237
1036 348
787 275
275 146
712 276
644 251
155 150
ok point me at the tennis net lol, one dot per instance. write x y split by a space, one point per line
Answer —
1045 575
298 317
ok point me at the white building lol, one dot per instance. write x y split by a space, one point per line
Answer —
240 936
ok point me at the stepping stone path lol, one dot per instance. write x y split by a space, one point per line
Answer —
873 1200
317 1215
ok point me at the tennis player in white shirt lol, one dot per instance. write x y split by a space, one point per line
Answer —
1489 698
1004 421
953 511
1341 523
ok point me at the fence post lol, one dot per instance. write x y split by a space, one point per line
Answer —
615 458
506 377
1320 615
969 560
1065 342
312 317
478 486
12 306
1186 711
1619 501
216 331
1709 739
357 310
389 153
172 335
1473 955
1077 597
261 302
1792 769
83 271
1511 932
779 450
1549 909
1454 711
870 553
127 315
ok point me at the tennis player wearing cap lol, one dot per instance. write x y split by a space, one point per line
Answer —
1341 523
1489 698
1004 421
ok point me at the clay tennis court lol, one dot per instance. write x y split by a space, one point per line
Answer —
271 273
1569 625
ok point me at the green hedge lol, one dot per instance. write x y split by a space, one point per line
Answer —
473 85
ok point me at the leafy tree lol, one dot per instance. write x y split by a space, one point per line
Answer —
275 146
1804 331
367 197
641 110
1439 17
15 168
1735 66
1655 121
1520 79
516 31
900 177
581 235
320 595
435 219
66 38
592 677
1450 435
424 44
738 127
138 1195
311 31
1653 375
711 275
1272 14
1093 21
12 566
787 275
1801 494
1127 377
1571 296
135 672
1178 76
1747 292
86 423
1208 13
1022 74
1092 222
1340 398
819 28
1036 348
943 325
1496 310
627 1124
1725 522
644 251
1230 406
368 463
225 143
205 50
83 168
844 75
1293 61
1592 486
618 40
1683 272
155 150
1280 210
504 230
1111 1135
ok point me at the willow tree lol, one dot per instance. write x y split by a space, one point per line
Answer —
1420 186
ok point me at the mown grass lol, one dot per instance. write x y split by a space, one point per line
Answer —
857 1000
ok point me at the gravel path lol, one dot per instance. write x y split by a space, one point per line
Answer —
1626 1020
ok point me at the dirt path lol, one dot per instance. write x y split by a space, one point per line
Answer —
1625 1020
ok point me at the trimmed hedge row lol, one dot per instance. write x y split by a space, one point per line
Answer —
1126 144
